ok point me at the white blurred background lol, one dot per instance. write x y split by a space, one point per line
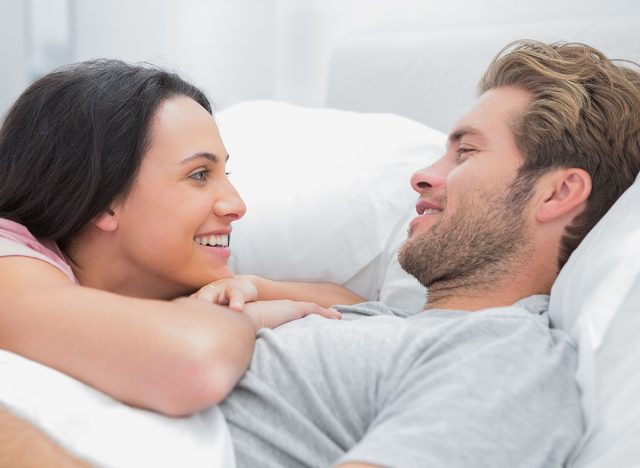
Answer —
238 50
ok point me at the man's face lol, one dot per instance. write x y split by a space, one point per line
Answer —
471 223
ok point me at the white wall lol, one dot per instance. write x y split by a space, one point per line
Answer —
50 35
225 46
13 76
245 49
308 30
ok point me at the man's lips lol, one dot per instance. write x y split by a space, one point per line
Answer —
426 210
426 207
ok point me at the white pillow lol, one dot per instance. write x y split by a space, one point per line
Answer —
104 431
596 299
327 193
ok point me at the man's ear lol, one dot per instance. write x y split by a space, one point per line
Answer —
107 221
564 190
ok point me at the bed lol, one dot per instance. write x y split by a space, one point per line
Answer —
329 199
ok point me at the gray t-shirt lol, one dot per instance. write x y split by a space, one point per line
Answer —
492 388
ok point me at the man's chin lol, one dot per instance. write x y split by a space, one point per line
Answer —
418 229
412 261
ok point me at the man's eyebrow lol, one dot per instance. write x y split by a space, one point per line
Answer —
210 156
457 134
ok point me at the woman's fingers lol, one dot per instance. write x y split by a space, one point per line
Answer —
235 292
311 308
237 298
271 314
209 294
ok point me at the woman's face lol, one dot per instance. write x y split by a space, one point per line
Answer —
174 226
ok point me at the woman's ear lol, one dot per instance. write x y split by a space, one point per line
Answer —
107 221
565 190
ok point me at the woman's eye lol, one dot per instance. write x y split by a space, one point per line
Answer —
200 174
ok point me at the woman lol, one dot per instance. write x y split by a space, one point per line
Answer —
115 206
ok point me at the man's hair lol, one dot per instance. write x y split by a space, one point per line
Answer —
74 140
584 113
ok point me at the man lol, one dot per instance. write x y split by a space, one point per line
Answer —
478 378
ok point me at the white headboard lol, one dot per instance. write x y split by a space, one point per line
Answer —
431 76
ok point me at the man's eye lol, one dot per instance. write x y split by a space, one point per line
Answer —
200 174
462 152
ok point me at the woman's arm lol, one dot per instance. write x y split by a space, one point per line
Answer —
170 356
22 445
175 357
323 294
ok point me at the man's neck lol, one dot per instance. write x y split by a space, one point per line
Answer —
474 295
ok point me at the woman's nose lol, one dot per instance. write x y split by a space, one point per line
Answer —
230 205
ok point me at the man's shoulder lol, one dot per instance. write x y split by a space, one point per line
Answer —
531 312
534 306
522 326
529 316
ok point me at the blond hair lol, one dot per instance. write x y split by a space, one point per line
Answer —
584 113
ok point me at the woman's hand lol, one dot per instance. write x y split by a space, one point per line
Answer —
325 294
241 294
234 292
271 314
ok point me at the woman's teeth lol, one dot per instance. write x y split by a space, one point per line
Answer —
217 241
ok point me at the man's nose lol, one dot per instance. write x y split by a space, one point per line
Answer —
433 176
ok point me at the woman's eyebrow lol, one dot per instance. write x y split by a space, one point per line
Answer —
210 156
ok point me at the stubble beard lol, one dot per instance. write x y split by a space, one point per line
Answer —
478 246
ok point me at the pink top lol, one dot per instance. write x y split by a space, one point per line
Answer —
16 240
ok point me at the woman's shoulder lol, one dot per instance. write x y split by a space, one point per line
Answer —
17 241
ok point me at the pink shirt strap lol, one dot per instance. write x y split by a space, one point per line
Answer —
16 240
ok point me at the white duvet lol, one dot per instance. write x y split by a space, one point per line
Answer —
106 432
